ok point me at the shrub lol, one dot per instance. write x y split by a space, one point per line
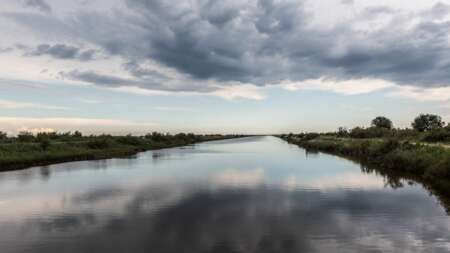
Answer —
99 143
371 132
155 136
129 140
342 132
389 146
45 144
436 135
77 134
440 170
310 136
3 136
25 137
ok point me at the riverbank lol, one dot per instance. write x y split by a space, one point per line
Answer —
429 165
16 155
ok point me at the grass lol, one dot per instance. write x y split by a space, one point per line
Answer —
15 154
427 164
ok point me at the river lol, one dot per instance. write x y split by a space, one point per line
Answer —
254 194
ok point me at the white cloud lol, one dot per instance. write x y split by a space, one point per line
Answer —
245 91
89 101
9 104
232 92
139 91
440 94
348 180
239 178
36 130
348 87
172 109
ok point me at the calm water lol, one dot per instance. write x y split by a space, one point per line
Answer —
256 194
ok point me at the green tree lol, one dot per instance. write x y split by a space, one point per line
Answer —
77 134
25 137
427 122
3 136
342 132
382 122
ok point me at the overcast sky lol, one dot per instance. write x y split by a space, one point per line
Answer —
266 66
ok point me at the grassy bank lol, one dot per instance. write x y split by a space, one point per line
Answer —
44 149
429 165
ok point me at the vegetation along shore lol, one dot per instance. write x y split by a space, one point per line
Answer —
27 149
420 153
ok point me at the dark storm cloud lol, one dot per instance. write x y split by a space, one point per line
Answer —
219 12
87 55
61 51
143 80
189 40
139 71
95 78
58 51
41 5
414 57
261 42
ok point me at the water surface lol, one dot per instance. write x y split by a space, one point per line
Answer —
256 194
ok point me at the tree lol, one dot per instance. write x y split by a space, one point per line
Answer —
77 134
382 122
342 132
155 136
427 122
25 136
3 136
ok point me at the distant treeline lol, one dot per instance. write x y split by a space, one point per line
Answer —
27 149
425 127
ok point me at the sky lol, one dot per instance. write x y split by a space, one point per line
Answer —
214 66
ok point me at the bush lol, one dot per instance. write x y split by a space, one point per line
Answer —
437 135
371 132
129 140
77 134
99 143
3 136
342 132
440 170
45 144
25 137
304 136
157 137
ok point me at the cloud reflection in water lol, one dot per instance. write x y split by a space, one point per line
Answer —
219 202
